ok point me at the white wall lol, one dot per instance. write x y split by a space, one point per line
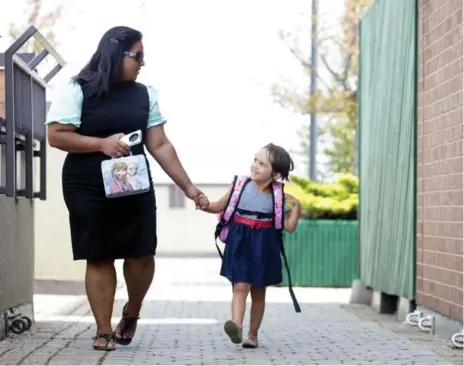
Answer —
186 230
53 252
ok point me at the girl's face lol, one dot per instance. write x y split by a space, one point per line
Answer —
261 169
133 62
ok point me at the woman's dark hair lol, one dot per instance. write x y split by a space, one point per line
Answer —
105 66
281 161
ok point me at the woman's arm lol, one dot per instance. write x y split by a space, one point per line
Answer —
65 137
64 118
159 146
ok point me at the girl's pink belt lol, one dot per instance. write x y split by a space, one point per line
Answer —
254 224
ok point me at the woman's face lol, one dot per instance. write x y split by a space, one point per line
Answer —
133 61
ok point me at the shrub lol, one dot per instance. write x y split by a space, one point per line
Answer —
337 200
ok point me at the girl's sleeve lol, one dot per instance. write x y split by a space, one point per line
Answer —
155 118
66 105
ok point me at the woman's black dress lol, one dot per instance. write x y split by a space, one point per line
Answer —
109 228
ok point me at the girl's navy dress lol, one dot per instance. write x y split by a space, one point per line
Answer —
252 255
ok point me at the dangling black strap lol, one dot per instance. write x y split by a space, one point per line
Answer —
296 305
219 227
219 250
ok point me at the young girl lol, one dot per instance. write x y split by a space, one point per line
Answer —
252 258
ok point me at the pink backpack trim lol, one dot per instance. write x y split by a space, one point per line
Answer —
237 189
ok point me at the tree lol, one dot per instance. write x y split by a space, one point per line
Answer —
43 15
43 19
337 100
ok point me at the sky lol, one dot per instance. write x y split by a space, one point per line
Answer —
212 62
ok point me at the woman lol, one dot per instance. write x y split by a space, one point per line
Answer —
87 119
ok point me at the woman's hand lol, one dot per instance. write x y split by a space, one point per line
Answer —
201 201
114 147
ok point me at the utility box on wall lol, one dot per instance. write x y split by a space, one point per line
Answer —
16 241
22 152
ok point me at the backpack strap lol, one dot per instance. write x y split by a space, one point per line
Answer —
239 184
279 217
224 217
278 200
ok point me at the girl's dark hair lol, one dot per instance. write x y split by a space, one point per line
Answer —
281 161
105 66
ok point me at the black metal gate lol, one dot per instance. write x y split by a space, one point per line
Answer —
23 129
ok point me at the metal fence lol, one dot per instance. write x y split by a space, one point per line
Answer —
23 130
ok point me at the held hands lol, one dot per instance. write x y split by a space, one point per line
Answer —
114 147
204 202
201 201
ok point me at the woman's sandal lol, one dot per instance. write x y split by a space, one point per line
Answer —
108 338
128 322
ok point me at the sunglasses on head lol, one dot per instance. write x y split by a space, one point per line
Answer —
137 56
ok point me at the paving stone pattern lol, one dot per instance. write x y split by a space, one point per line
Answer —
181 324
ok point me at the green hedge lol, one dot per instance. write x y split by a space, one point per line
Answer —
337 200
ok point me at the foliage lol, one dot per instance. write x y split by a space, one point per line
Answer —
44 20
337 100
337 200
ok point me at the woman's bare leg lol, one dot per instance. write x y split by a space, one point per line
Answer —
100 285
138 273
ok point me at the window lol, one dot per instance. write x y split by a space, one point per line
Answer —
176 197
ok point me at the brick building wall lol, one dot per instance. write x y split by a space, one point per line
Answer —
440 157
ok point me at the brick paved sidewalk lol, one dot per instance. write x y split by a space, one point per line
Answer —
181 323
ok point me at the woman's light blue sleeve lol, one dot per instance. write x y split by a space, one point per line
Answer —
66 105
155 118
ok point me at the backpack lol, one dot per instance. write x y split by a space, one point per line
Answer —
224 218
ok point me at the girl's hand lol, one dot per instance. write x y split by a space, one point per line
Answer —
204 202
198 197
292 200
292 217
